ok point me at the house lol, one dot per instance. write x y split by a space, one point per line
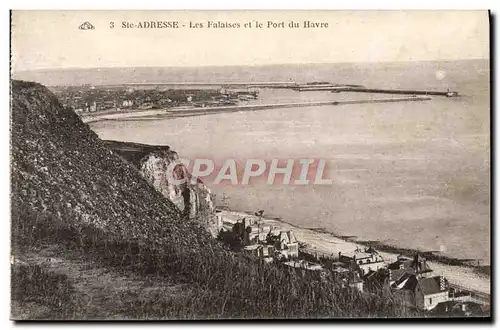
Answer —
219 221
378 281
418 265
287 245
459 308
258 232
354 281
423 293
93 107
249 234
262 251
109 105
431 291
304 265
127 103
348 278
146 105
364 261
338 267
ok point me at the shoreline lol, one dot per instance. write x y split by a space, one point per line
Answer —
328 243
389 248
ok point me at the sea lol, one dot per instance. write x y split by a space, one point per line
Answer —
411 174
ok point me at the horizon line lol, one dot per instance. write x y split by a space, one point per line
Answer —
241 65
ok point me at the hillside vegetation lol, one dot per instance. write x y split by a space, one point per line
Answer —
69 191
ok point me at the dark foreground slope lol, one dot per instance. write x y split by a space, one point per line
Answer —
62 171
70 191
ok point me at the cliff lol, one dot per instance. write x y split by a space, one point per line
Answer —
193 199
63 173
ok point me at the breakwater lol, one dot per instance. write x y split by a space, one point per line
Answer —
401 91
255 107
338 89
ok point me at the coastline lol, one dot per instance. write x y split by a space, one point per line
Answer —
327 243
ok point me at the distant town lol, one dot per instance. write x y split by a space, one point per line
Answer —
91 99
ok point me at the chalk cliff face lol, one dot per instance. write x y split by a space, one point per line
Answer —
192 199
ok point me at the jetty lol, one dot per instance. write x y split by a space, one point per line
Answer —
338 89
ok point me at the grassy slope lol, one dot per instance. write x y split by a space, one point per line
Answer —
68 188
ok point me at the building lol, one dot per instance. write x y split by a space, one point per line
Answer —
108 105
348 277
304 265
423 293
219 220
418 265
378 281
366 261
248 231
338 267
258 232
459 308
262 251
354 281
127 103
287 245
93 107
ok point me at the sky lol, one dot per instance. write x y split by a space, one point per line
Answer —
52 40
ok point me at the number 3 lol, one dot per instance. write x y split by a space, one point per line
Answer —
111 25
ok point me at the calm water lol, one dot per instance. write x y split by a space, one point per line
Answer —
410 174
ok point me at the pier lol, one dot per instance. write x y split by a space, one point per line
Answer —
402 91
338 89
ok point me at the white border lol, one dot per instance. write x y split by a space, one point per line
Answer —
183 4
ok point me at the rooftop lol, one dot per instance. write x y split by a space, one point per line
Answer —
287 237
416 265
429 285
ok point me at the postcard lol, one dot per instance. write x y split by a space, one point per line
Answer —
200 165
